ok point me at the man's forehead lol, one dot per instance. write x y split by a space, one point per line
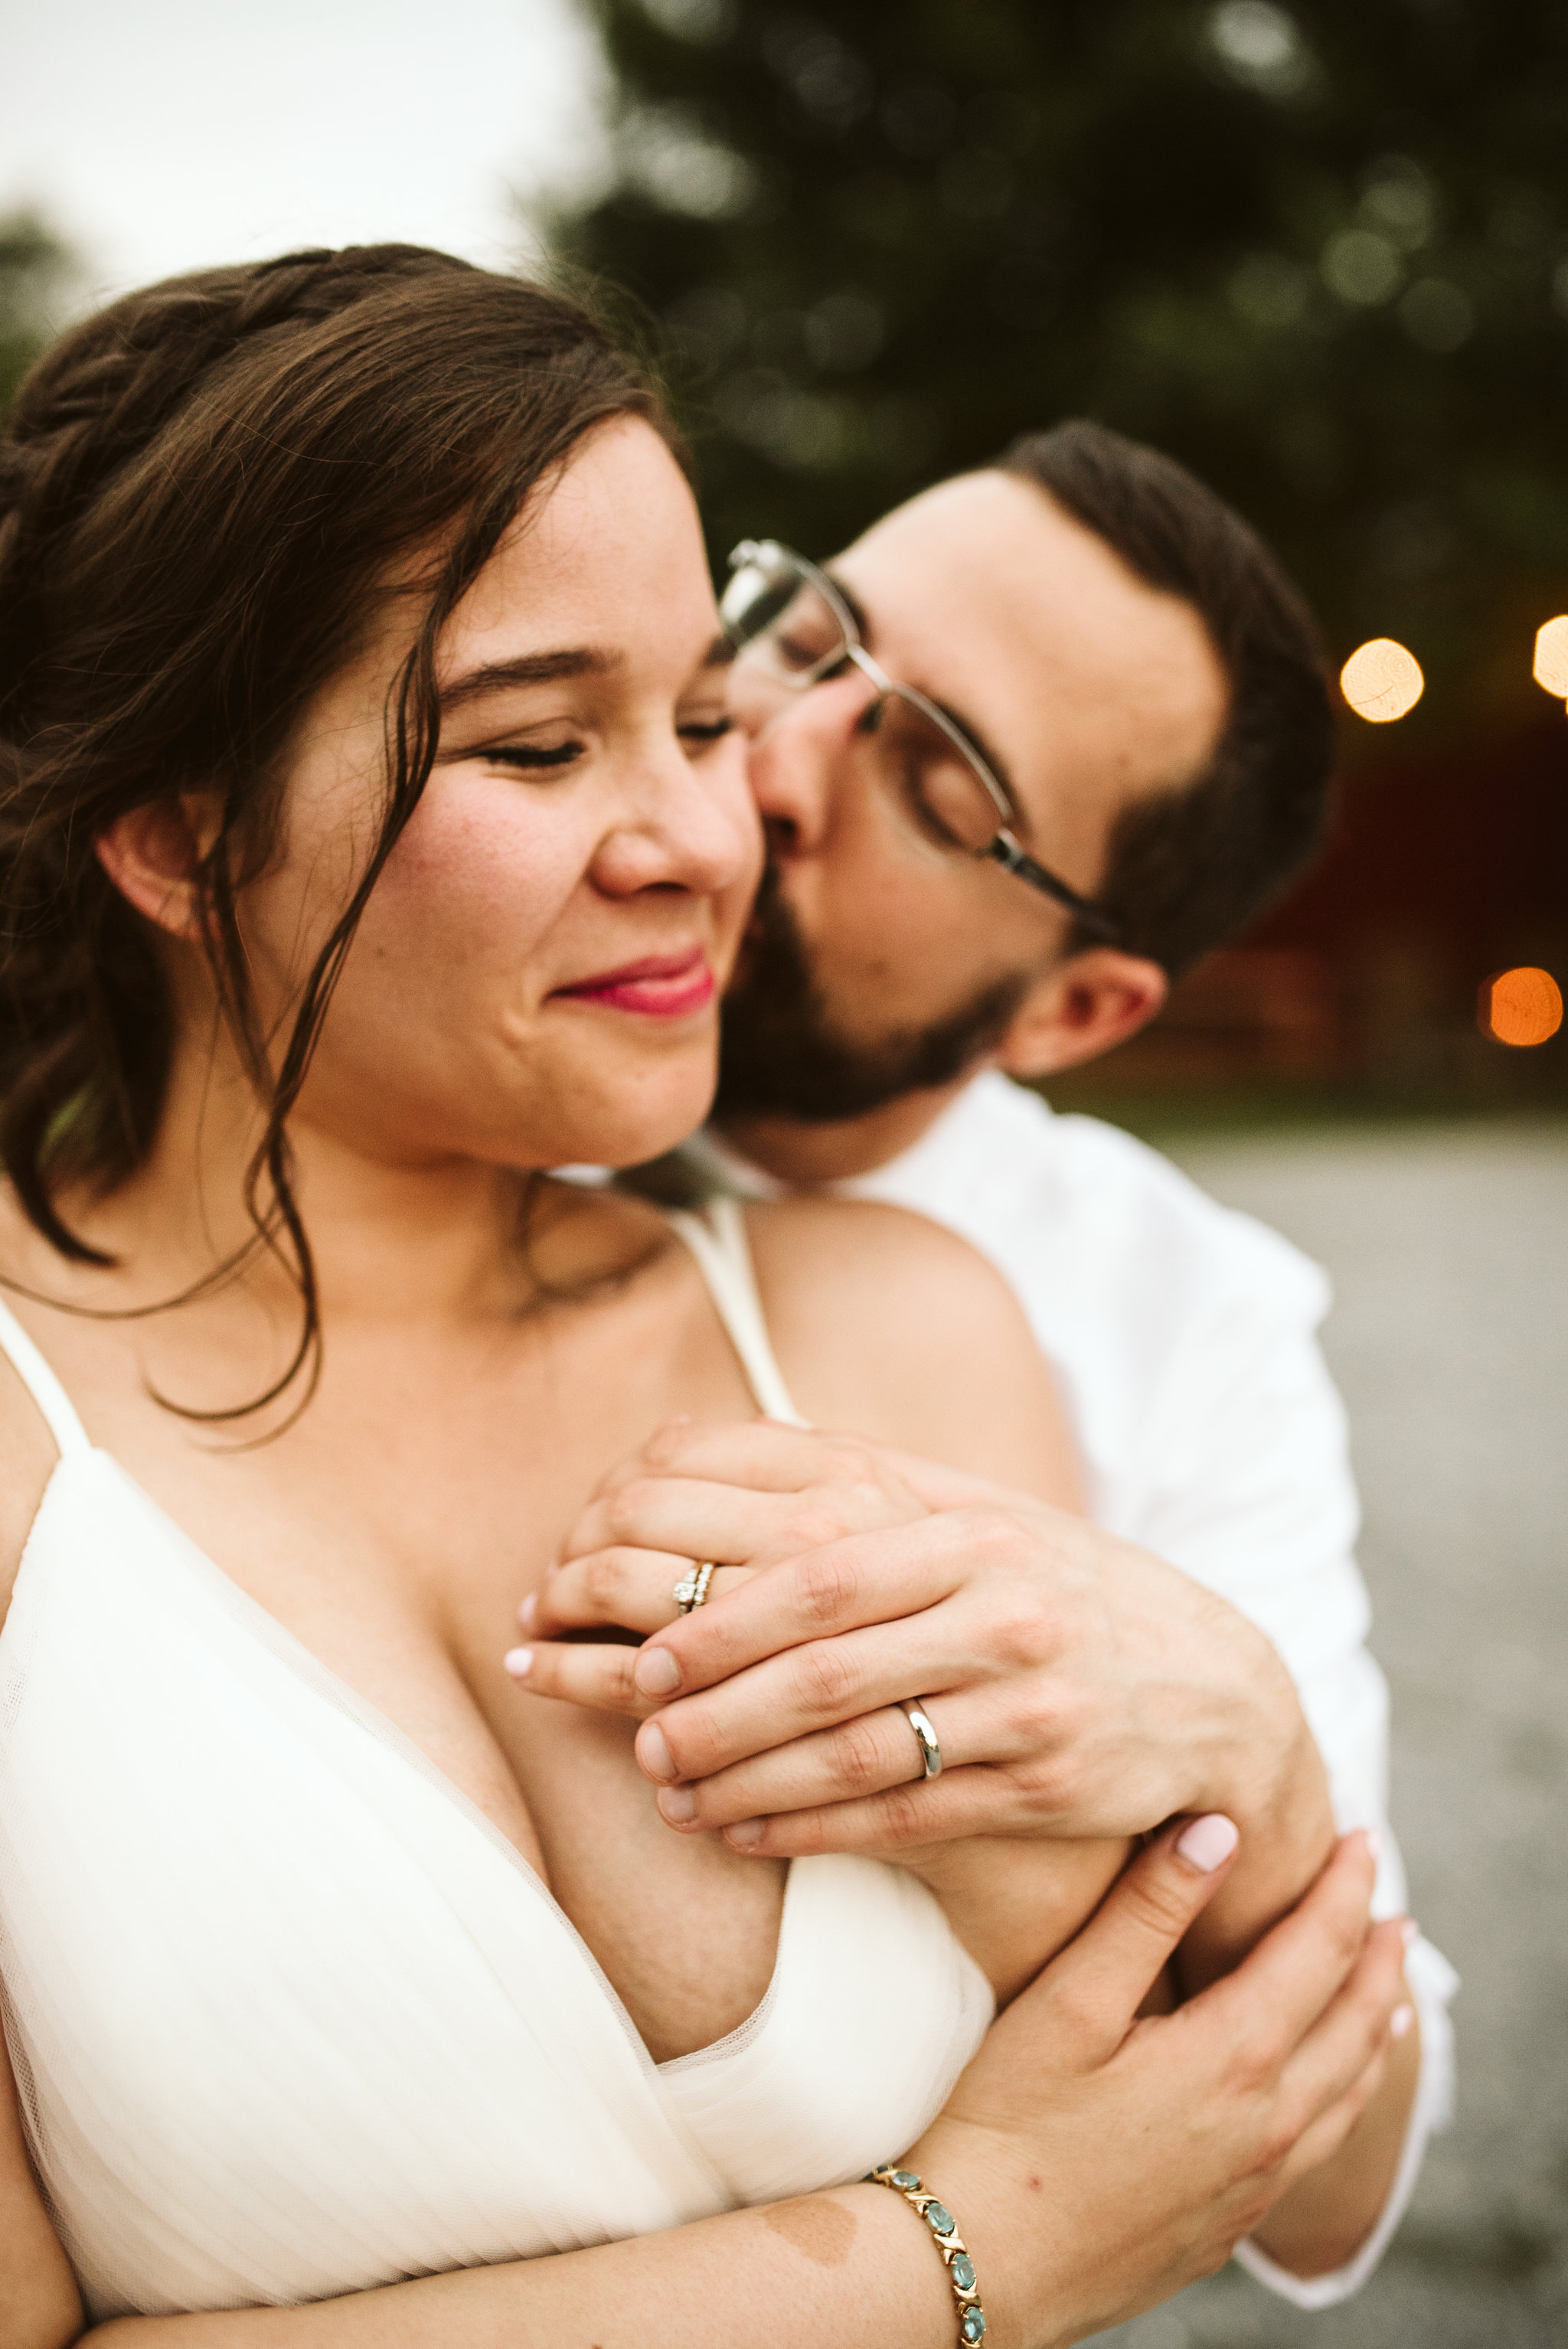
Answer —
994 547
993 597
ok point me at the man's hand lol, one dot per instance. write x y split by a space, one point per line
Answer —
1079 1686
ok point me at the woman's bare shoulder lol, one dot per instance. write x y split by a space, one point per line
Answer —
885 1321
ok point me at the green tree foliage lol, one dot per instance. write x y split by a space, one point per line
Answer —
36 269
1320 253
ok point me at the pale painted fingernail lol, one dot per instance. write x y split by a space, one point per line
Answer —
743 1834
1399 2021
654 1753
1409 1932
1208 1841
657 1672
527 1612
519 1662
678 1805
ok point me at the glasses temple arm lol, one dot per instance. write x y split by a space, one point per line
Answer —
1005 851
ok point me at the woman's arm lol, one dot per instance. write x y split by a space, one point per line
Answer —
40 2307
1165 2140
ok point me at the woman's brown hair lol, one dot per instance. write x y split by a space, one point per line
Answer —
202 489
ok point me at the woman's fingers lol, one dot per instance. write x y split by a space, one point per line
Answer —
634 1588
1093 1990
763 1454
692 1518
596 1677
1303 1962
1354 2031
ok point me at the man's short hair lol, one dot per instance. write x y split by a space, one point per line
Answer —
1186 868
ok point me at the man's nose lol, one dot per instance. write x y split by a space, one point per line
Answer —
798 765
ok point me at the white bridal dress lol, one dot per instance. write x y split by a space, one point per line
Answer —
291 2018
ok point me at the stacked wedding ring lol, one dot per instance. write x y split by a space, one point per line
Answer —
925 1737
692 1589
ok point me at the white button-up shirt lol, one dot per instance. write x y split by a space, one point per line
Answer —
1183 1336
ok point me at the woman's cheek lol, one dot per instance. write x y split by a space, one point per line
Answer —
476 875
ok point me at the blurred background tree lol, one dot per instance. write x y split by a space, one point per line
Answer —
36 271
1319 252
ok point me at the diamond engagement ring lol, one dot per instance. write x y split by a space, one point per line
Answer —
692 1589
926 1737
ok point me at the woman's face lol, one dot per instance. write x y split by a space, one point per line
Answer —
536 977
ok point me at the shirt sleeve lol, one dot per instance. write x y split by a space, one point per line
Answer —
1250 1491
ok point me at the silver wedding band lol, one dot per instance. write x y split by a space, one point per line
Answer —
926 1737
692 1589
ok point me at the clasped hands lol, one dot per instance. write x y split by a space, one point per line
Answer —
1080 1688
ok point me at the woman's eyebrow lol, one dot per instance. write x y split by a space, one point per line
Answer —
549 668
526 669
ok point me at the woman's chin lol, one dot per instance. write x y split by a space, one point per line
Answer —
632 1131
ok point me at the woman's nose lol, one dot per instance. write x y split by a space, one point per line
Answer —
691 825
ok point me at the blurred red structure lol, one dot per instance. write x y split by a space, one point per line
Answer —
1442 868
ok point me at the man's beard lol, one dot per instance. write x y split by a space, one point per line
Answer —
778 1054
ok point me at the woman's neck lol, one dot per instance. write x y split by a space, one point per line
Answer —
419 1239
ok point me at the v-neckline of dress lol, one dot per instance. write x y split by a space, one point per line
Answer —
270 1633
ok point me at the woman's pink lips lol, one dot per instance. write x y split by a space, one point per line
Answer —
668 986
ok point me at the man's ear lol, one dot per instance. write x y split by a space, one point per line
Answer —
152 854
1079 1009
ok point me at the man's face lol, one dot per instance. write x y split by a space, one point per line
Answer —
881 959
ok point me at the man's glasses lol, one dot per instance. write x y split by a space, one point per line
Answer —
792 630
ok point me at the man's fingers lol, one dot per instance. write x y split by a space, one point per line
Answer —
875 1577
961 1802
858 1759
816 1686
1100 1980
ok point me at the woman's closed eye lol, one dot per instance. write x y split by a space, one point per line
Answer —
533 757
696 733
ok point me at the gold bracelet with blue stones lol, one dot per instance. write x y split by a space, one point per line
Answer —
944 2233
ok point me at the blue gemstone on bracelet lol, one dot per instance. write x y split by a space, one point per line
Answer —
963 2272
940 2218
973 2327
907 2181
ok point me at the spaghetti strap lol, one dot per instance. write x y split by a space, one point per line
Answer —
42 1384
716 1238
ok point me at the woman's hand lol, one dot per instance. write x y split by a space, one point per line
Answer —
1246 2089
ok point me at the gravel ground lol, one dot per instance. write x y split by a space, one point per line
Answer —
1449 1252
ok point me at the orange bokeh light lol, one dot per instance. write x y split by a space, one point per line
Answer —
1382 681
1552 656
1520 1007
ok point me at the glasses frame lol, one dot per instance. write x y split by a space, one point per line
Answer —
1004 847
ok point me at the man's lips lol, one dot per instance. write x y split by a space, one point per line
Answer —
666 986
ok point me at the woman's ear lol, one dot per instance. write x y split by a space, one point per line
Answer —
152 854
1080 1009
